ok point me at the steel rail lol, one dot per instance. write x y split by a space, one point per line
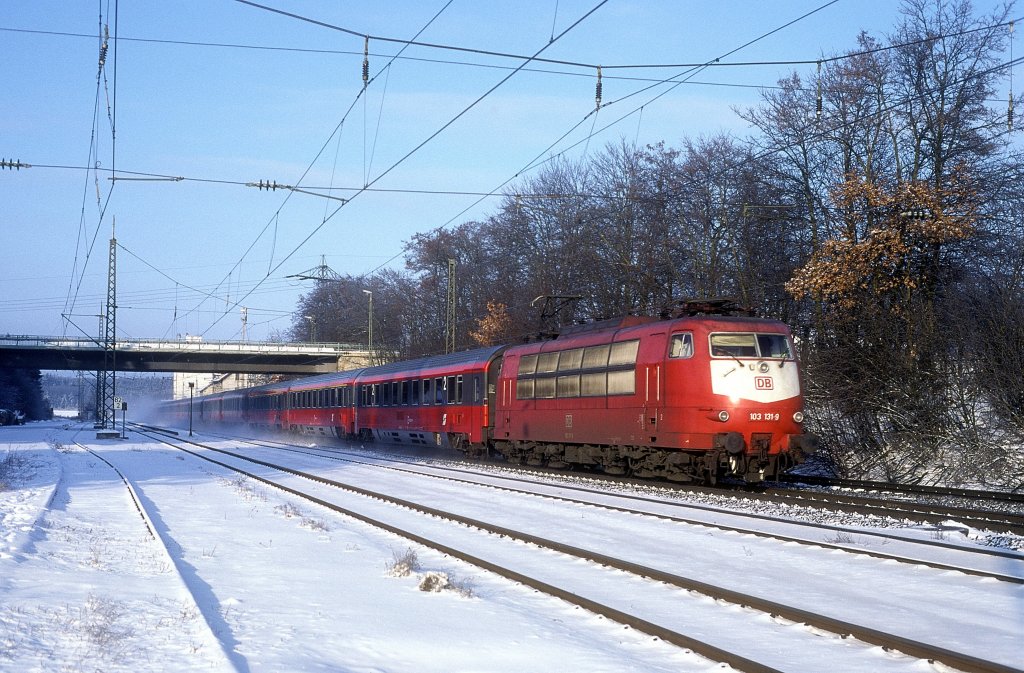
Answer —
839 627
693 521
913 489
681 640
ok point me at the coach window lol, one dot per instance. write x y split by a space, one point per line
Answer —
569 386
622 382
415 385
396 393
527 364
439 390
570 360
623 353
681 345
428 392
595 356
452 387
547 362
544 388
594 384
524 389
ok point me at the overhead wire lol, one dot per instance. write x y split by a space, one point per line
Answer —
534 162
362 92
640 109
70 304
126 175
431 137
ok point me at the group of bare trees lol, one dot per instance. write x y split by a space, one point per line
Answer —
876 208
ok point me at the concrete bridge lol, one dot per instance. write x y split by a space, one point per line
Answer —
189 355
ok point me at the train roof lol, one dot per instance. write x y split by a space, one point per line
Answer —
477 358
632 327
426 366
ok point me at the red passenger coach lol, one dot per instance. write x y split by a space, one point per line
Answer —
322 405
438 401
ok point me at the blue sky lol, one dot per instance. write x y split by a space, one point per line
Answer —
219 116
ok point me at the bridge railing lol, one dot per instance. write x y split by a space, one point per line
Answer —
181 345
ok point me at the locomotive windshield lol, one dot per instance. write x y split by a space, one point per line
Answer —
750 345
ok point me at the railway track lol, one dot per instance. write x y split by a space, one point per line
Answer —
972 559
162 541
942 516
999 497
1001 521
433 528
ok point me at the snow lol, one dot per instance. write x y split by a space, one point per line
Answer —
223 573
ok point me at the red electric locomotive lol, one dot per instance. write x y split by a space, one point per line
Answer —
690 399
693 398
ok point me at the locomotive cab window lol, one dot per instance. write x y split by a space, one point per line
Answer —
739 345
734 345
681 345
774 346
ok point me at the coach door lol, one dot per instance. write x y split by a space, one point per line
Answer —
493 372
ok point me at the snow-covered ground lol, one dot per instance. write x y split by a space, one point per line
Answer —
225 574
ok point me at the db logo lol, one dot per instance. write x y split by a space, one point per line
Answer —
763 383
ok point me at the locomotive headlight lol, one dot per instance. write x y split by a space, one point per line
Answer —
798 417
723 415
763 367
